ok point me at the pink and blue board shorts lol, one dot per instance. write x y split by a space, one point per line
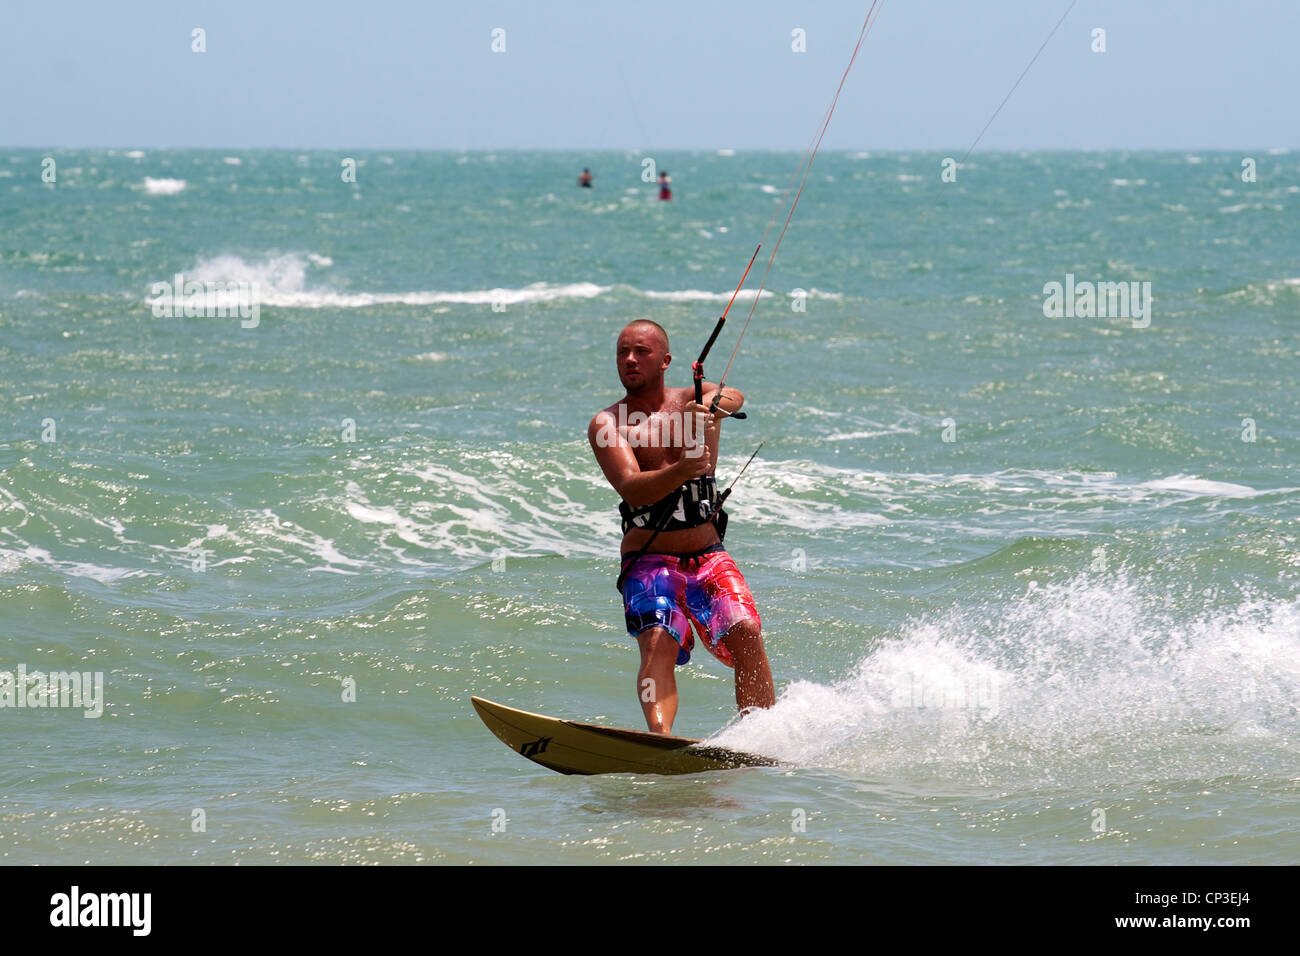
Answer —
674 592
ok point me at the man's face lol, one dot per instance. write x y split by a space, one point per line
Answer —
642 357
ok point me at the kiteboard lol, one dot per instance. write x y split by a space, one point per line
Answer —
568 746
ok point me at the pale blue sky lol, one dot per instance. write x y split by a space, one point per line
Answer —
668 74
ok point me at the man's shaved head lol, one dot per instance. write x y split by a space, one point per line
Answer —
659 329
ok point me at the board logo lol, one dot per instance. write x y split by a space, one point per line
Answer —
536 747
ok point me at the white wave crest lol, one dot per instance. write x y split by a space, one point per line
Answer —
163 187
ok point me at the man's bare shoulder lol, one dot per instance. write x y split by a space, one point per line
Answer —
609 411
603 429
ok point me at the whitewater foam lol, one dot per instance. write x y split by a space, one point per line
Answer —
163 187
282 279
1080 683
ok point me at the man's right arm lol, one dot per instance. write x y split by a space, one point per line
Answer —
621 468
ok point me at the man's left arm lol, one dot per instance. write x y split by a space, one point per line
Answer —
732 398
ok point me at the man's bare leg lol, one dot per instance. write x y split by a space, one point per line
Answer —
656 682
753 673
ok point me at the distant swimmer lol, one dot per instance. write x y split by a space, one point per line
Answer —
585 179
664 191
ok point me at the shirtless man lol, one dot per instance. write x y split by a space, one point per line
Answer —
687 578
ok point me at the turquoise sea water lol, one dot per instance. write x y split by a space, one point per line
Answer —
1069 634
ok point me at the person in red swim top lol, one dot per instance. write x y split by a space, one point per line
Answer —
686 581
664 191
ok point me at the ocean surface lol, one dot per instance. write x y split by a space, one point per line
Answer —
1028 584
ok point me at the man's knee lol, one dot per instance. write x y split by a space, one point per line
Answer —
744 640
656 644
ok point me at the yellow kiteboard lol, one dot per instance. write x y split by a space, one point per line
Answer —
568 746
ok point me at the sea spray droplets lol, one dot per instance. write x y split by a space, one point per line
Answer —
1074 684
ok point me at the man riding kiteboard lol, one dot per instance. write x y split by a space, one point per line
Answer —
676 575
658 447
